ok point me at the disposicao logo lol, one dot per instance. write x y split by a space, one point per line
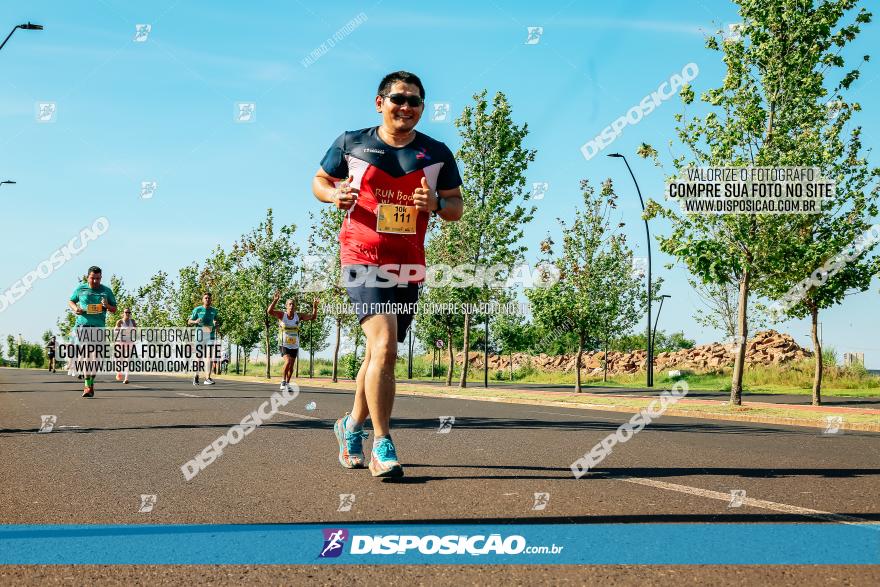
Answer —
334 540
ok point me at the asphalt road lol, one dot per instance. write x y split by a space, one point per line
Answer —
105 452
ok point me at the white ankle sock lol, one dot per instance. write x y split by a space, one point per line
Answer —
352 426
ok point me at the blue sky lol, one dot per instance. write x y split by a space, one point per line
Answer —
162 110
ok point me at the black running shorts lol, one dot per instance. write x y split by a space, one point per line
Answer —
369 298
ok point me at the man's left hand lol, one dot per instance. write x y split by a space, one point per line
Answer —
424 198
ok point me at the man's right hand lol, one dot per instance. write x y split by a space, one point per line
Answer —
345 195
79 311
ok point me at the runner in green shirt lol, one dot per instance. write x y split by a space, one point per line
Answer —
90 302
206 317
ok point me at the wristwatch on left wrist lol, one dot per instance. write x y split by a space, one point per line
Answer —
439 205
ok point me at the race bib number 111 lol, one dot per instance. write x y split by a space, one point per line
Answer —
396 219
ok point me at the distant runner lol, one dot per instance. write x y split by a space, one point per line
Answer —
50 352
206 317
90 302
224 361
288 333
123 333
390 178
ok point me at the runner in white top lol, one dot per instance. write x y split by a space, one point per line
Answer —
124 330
288 331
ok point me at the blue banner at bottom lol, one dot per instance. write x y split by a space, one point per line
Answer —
645 544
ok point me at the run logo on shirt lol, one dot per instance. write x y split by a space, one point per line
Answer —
384 227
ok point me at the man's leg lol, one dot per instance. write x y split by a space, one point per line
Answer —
288 368
127 365
285 371
360 412
379 389
349 429
379 384
209 341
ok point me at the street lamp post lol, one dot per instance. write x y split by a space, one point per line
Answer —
656 322
648 233
486 323
24 27
409 365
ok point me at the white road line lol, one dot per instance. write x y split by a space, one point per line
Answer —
69 426
187 394
298 415
758 503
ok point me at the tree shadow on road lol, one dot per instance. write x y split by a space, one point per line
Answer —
431 425
520 472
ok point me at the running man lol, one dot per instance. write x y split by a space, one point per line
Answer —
390 178
288 333
123 334
90 302
205 316
50 352
224 361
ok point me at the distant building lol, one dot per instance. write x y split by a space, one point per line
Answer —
853 358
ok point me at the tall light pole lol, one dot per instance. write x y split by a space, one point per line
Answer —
657 321
409 364
648 233
24 27
486 323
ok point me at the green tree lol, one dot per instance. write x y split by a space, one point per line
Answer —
155 302
270 258
445 322
186 295
720 308
313 336
818 132
490 231
323 273
620 299
763 114
513 335
597 292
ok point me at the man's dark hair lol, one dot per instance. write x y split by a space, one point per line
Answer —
207 293
94 269
400 76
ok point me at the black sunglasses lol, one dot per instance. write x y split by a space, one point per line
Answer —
401 99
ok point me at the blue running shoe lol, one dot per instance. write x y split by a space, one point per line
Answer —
383 461
351 445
